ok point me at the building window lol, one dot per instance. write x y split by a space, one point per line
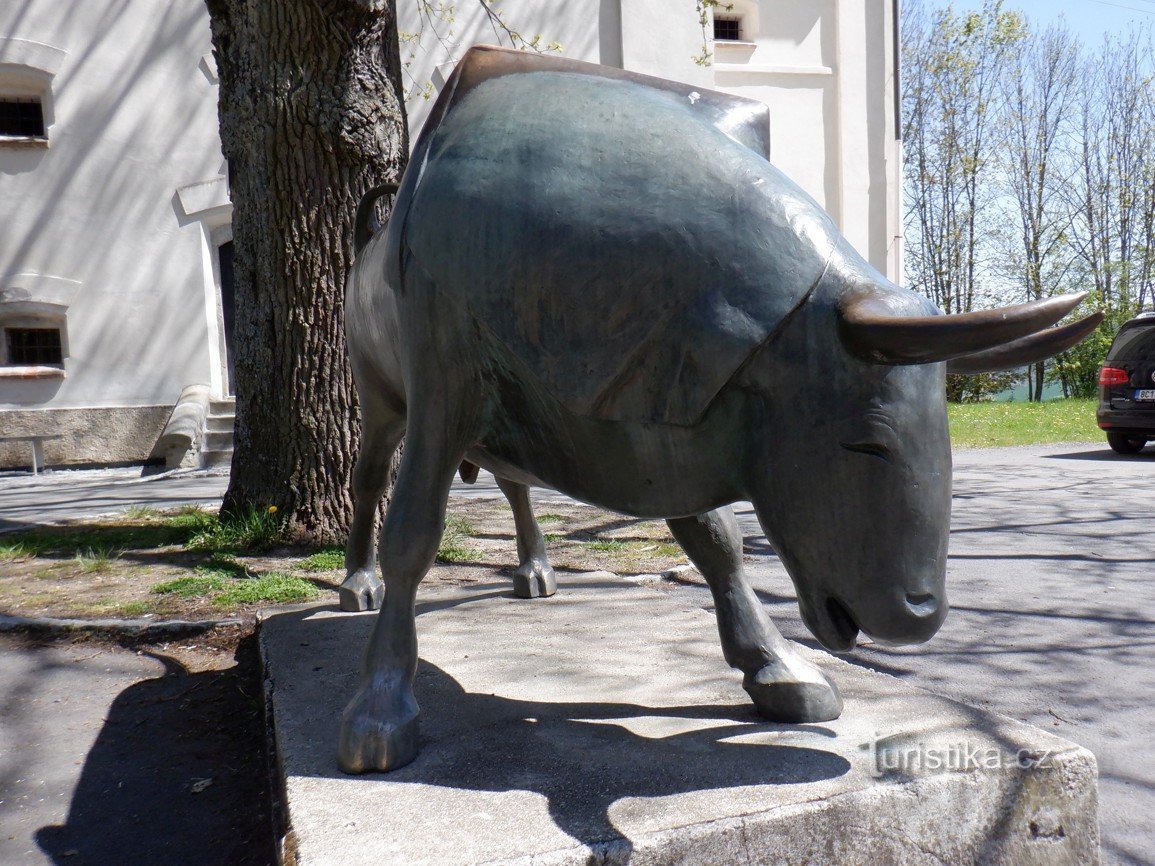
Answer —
727 29
21 117
34 347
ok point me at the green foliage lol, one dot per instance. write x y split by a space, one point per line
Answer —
1077 369
326 559
254 529
978 387
990 425
705 57
272 587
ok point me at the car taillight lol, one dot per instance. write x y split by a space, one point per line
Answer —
1110 376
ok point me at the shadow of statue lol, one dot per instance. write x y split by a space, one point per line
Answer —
583 757
164 783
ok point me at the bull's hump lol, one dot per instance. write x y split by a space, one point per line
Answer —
627 251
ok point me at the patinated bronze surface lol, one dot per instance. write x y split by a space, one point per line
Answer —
597 282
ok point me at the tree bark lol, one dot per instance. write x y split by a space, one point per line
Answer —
312 116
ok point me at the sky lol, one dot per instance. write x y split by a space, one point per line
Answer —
1088 19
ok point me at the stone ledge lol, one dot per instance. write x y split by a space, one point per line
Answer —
602 726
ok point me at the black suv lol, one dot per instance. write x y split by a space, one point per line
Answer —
1127 387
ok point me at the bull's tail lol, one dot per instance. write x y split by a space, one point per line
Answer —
366 224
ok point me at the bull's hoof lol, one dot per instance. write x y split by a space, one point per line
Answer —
378 731
534 580
793 691
361 591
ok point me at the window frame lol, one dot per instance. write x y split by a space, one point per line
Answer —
738 23
32 316
53 345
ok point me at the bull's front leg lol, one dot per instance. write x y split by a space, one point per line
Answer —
784 687
534 576
379 726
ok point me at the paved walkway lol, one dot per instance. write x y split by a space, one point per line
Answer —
1053 618
60 495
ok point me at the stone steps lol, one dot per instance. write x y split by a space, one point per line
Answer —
217 447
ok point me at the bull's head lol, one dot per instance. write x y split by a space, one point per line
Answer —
855 488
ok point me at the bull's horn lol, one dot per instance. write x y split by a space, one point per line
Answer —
1037 347
874 331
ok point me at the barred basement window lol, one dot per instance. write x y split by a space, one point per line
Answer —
21 117
34 347
727 29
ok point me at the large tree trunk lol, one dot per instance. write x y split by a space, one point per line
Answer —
312 115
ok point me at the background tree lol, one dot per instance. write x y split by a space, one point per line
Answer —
1039 95
1030 170
1112 197
311 116
952 72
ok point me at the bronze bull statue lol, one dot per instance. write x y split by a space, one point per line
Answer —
595 281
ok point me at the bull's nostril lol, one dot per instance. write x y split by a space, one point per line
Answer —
922 602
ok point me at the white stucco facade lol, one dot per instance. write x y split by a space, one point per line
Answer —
112 219
109 218
826 69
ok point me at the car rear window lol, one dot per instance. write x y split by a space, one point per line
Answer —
1134 345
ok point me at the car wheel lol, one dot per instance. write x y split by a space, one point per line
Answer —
1123 444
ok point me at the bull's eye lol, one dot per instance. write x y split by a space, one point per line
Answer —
874 449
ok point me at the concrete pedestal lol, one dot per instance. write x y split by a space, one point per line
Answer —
603 726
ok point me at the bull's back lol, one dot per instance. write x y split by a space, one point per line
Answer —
620 246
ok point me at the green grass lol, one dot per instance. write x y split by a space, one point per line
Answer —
10 551
991 425
192 586
255 529
550 518
274 587
328 559
134 608
193 527
607 545
229 587
453 547
95 560
153 530
140 512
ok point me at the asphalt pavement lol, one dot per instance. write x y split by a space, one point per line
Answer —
61 495
1050 582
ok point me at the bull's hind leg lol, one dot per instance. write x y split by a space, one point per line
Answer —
379 726
382 429
534 576
783 686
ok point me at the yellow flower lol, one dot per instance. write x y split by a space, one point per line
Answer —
272 509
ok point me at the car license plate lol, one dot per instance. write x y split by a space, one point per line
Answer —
1148 394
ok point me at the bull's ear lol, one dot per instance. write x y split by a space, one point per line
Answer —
1023 352
871 328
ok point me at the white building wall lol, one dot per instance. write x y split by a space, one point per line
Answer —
97 211
113 225
824 67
